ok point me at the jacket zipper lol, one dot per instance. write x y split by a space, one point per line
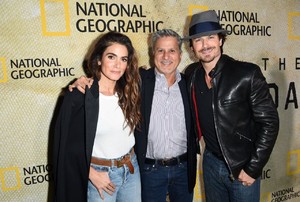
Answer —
243 136
225 158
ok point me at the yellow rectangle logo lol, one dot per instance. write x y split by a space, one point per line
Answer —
293 162
192 9
3 72
10 179
55 17
293 17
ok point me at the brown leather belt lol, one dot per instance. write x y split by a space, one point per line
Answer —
124 160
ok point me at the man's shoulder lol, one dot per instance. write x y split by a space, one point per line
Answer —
188 71
240 65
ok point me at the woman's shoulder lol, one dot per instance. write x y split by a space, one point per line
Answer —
73 98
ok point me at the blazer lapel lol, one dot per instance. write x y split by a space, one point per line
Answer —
91 116
184 95
148 86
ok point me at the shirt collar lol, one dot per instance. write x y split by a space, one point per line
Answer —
160 76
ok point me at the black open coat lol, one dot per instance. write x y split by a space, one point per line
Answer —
73 143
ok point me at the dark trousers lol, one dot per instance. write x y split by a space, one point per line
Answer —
159 180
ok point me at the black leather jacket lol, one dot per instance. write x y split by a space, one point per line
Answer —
245 117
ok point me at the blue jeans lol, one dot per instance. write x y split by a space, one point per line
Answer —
128 186
158 180
219 187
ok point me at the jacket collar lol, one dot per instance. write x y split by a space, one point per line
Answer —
95 87
91 116
219 66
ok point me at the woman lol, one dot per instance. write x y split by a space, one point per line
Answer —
93 144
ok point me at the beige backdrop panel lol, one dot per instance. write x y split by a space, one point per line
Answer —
43 45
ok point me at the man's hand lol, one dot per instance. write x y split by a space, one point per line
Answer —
81 83
245 178
102 182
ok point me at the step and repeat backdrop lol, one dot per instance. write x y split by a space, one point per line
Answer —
43 44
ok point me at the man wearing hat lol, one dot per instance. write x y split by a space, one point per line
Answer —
233 110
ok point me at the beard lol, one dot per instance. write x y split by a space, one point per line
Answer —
205 57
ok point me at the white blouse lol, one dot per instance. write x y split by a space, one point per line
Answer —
112 138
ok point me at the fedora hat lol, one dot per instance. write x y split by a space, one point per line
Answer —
204 24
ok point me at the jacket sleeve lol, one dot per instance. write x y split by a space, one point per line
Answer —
71 101
266 122
59 141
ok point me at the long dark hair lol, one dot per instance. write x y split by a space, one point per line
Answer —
128 86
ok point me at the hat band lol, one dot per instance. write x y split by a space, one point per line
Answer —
204 27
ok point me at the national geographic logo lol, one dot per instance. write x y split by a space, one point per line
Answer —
120 17
28 68
55 17
285 194
243 23
37 174
238 22
11 177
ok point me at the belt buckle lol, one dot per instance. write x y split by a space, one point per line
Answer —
164 162
123 161
119 163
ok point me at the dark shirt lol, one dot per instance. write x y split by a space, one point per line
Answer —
205 111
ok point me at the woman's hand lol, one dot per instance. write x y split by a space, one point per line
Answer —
102 182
